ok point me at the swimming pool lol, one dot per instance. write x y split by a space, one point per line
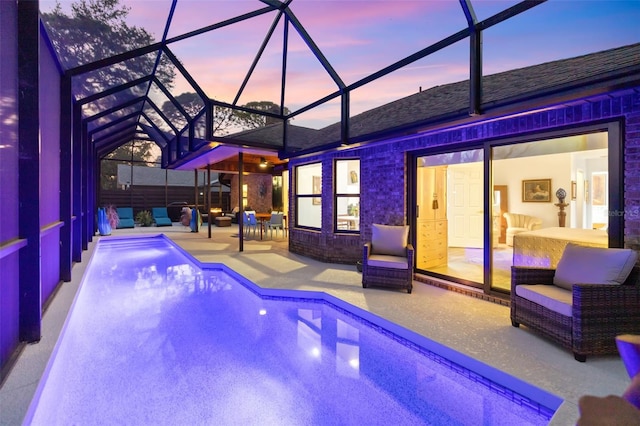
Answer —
154 337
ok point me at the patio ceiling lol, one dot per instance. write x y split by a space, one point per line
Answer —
137 93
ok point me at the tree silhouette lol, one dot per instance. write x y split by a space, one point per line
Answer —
253 121
225 120
95 30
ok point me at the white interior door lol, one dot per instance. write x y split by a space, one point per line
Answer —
465 205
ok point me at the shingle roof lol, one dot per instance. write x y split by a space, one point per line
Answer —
506 86
272 135
453 99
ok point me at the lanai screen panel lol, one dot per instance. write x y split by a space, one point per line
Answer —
313 63
559 30
113 101
100 120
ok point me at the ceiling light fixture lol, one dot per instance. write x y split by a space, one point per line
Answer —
263 162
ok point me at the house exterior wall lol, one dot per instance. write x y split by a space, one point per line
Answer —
259 189
384 170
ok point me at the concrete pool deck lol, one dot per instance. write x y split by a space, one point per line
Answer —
472 326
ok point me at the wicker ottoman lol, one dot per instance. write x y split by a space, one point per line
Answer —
222 221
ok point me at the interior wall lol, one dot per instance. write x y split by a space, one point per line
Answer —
285 192
593 165
511 172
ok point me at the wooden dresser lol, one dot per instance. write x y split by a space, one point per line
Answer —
431 236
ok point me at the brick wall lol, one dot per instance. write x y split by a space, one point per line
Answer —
383 169
259 189
632 171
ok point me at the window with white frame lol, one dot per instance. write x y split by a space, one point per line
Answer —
309 195
347 195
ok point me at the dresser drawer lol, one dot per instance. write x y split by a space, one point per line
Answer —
429 258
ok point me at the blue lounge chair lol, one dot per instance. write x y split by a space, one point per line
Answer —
160 216
125 216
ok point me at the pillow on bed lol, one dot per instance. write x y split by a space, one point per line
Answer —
593 265
388 239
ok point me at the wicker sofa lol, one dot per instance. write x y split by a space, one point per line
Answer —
388 259
591 297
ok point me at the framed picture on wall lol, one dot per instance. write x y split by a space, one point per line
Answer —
599 189
536 191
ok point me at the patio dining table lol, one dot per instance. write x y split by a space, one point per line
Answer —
262 218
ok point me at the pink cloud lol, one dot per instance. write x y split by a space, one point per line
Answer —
345 14
150 15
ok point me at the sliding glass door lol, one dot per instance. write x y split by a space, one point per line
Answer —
450 212
554 188
470 208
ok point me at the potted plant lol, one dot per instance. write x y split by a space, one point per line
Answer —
112 216
144 218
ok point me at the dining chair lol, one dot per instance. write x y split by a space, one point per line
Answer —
277 223
249 222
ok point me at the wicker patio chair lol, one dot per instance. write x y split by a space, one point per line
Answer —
388 260
598 312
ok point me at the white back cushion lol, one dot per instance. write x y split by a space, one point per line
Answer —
389 239
593 265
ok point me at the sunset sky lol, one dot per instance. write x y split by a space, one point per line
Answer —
360 37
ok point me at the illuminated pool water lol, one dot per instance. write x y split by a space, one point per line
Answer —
153 337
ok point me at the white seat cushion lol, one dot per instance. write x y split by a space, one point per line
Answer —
593 265
386 261
389 239
551 297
